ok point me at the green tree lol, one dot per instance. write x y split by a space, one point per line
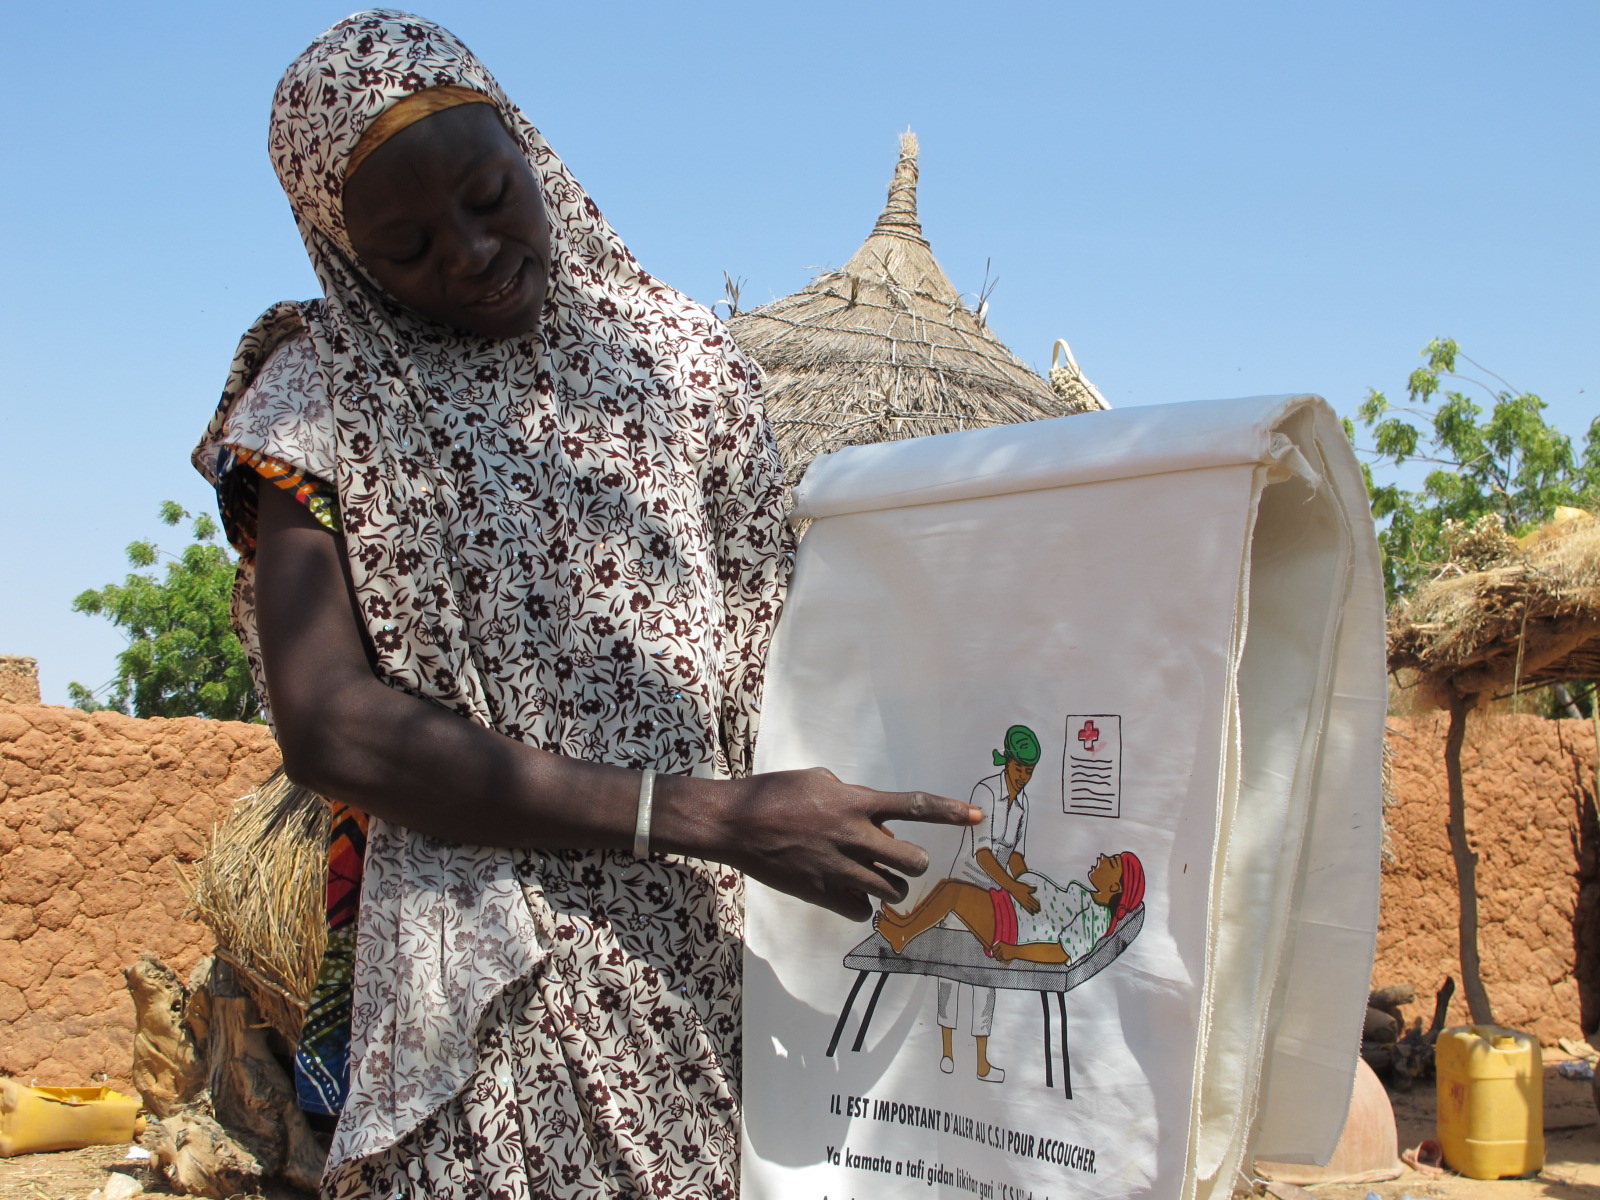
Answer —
1493 477
183 659
1512 466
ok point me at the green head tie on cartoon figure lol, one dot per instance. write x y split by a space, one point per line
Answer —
1022 744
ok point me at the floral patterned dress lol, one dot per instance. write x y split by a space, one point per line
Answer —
575 538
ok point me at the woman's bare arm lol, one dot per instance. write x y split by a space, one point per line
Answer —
347 735
1007 879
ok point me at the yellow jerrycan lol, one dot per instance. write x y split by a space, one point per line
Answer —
35 1119
1491 1101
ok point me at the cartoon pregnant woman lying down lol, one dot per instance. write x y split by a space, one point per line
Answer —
1036 920
1014 913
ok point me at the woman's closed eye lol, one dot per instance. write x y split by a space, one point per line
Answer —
486 200
411 253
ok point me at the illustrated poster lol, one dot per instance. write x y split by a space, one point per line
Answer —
1024 1026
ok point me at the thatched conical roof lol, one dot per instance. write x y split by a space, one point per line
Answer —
885 348
1526 619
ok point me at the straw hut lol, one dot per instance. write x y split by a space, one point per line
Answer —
1509 616
1524 614
885 348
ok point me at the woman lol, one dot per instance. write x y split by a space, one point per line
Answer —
1056 924
512 537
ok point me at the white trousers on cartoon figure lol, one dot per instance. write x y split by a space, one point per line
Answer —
980 1004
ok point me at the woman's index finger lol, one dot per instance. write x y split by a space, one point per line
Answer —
936 810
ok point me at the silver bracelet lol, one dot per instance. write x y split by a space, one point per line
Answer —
641 822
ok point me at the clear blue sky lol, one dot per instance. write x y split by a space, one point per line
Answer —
1207 200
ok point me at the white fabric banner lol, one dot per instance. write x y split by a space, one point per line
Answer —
1149 644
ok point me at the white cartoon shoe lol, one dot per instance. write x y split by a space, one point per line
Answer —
995 1075
947 1064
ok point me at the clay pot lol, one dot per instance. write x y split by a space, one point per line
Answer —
1368 1150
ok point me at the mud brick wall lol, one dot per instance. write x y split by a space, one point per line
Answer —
1530 816
19 679
97 812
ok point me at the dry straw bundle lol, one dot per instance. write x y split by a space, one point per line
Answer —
885 348
1069 382
1527 617
261 887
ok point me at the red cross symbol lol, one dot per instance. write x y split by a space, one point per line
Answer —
1089 735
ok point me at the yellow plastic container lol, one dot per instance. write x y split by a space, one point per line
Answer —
1491 1101
34 1119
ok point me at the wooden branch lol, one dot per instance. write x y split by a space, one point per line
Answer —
1466 864
238 1127
251 1092
195 1157
1548 642
167 1067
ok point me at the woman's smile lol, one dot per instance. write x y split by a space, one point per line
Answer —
508 295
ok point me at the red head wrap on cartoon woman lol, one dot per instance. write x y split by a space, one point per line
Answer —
1132 894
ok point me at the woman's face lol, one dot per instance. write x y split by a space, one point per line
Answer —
1017 775
449 219
1106 876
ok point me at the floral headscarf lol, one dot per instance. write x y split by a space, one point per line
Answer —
415 498
574 537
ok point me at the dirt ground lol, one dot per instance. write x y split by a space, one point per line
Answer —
1571 1172
1571 1151
73 1174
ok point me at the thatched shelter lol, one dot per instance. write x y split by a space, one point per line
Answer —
885 348
1527 617
1518 614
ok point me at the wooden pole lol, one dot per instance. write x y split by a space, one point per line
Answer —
1466 864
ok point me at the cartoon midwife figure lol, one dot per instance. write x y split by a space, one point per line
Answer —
987 864
1015 913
